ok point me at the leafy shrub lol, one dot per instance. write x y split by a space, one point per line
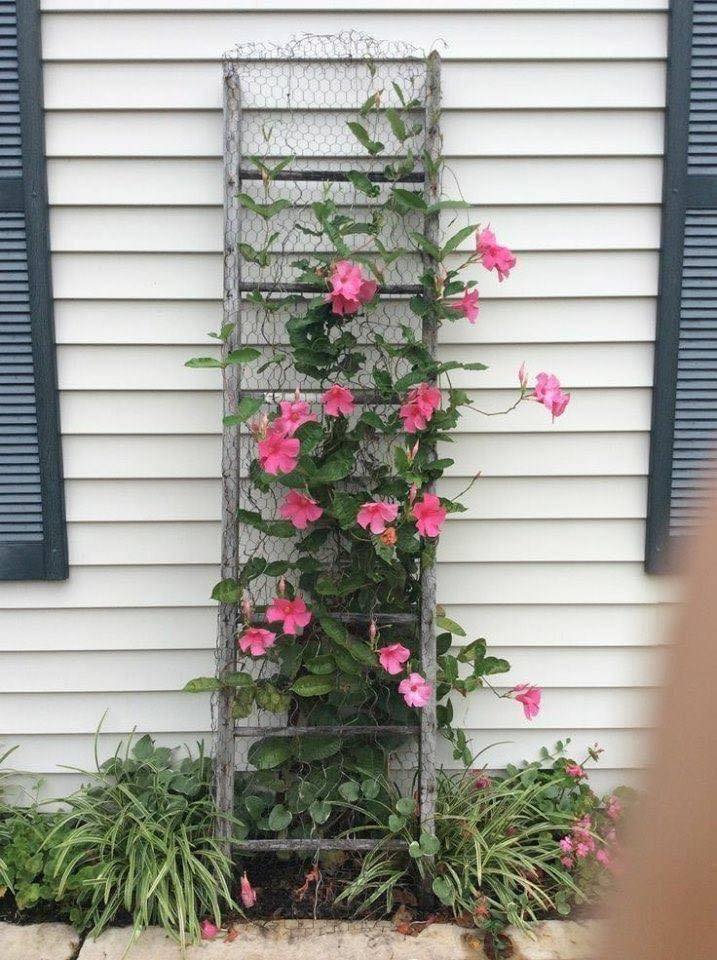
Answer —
499 851
139 839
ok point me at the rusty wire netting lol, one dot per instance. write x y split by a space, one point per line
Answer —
290 106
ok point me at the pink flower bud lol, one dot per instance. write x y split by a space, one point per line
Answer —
259 426
208 930
297 394
281 587
246 609
248 893
372 631
412 494
523 376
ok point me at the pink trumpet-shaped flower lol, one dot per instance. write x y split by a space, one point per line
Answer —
376 514
415 690
493 255
294 414
208 930
421 403
393 657
349 288
300 508
574 770
338 401
549 392
256 641
429 515
529 696
277 453
467 305
292 614
248 893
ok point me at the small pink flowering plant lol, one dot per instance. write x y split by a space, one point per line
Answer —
345 507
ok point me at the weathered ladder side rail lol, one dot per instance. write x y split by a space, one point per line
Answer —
228 619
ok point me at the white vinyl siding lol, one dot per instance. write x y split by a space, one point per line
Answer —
553 126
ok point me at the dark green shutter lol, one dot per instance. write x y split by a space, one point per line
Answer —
684 415
32 523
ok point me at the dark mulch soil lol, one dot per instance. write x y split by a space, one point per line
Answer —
44 912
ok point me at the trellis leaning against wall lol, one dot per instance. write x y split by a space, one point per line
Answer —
287 139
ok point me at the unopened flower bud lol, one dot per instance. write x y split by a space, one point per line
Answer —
372 631
412 493
281 587
523 376
246 609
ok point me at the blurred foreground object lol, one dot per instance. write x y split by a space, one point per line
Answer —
667 907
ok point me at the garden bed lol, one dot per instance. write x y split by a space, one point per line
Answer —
296 939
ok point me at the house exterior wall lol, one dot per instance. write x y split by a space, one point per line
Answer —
553 125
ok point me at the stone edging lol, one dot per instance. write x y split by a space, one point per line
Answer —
304 940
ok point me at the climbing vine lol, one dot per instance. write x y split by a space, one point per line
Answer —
344 473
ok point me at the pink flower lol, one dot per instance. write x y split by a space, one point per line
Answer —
292 614
349 288
277 453
530 698
549 392
393 657
248 893
574 770
566 845
300 509
415 690
613 807
482 782
429 515
256 641
376 514
294 414
567 862
467 305
493 256
337 401
208 930
421 403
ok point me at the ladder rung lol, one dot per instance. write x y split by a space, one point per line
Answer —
346 730
359 396
377 618
335 176
399 289
318 843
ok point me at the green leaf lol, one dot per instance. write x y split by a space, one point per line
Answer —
310 685
264 210
362 135
430 844
333 629
362 183
236 679
414 850
275 528
279 817
406 806
246 408
408 200
318 747
397 125
373 420
271 752
349 790
450 205
345 507
450 626
396 823
444 891
202 685
321 665
457 239
242 355
336 468
370 789
320 811
204 362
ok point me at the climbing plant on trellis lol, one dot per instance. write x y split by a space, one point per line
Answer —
336 280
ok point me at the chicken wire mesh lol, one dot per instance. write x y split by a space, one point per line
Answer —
290 156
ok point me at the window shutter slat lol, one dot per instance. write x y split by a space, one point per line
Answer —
684 424
32 527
